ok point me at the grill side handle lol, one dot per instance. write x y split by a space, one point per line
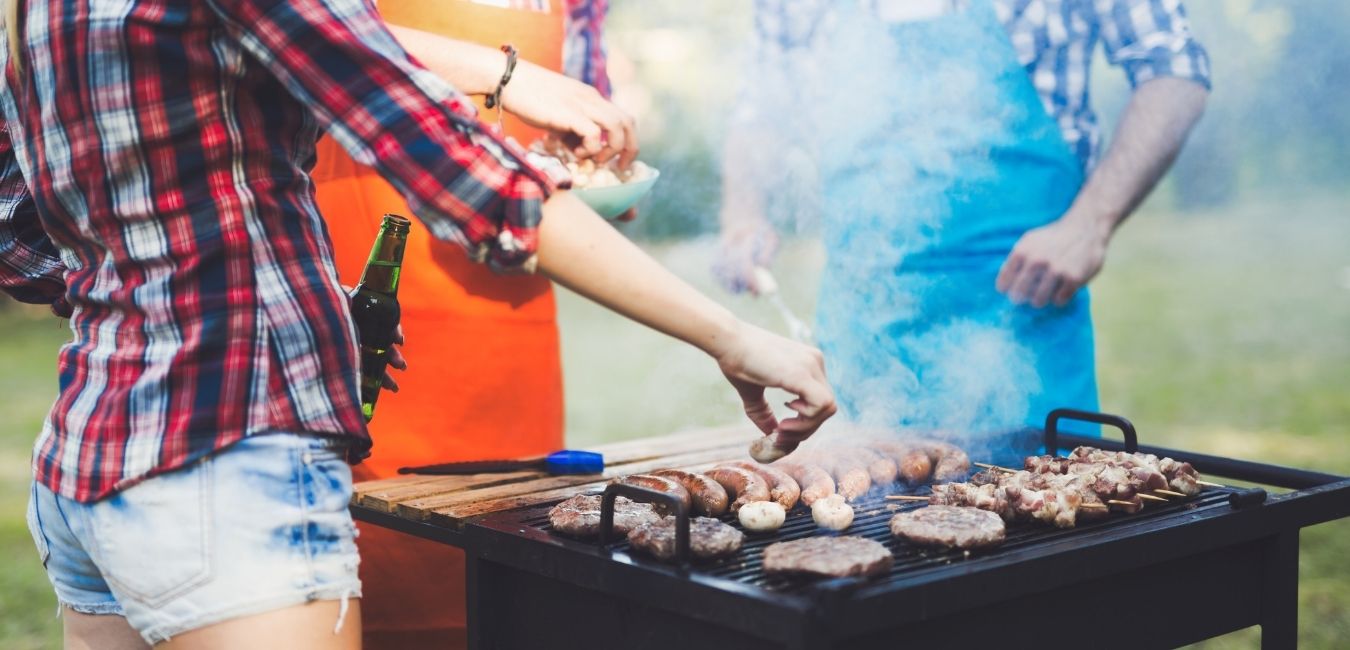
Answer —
1052 427
673 505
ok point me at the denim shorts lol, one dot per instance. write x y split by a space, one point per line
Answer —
260 526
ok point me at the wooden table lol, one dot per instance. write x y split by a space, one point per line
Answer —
438 507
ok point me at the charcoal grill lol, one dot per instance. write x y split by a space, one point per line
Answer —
1174 574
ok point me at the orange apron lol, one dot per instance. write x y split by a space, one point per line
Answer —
484 378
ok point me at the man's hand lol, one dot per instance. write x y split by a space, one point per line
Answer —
396 361
1051 263
589 124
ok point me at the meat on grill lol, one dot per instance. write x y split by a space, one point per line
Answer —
579 516
742 485
815 482
1092 504
949 526
1179 476
838 557
709 497
708 538
1015 503
783 489
659 484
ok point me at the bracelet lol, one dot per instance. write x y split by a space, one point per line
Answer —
495 98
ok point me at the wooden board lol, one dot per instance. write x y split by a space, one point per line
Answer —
447 500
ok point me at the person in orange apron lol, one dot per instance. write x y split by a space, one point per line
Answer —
485 378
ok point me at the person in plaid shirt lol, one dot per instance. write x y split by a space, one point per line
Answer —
191 479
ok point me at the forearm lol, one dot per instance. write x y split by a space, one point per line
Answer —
578 250
1151 133
471 68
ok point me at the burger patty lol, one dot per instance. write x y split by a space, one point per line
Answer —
838 557
949 526
708 538
579 516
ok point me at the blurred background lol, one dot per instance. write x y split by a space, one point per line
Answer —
1223 313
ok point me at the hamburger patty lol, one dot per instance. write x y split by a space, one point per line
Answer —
838 557
579 516
708 538
950 526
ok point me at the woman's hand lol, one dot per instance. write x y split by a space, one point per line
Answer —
756 359
396 361
590 125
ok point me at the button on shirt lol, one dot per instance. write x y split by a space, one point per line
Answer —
1054 40
153 171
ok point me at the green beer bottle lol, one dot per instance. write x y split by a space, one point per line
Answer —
374 304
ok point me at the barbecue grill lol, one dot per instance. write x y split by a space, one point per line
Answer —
1173 574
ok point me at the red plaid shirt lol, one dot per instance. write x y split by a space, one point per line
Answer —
165 145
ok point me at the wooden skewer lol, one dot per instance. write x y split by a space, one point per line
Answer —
1208 484
1170 493
1092 506
1150 497
905 497
995 468
1117 502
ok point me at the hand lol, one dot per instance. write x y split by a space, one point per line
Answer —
757 359
1052 262
396 361
591 126
750 244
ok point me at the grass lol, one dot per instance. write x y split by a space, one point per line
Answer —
1223 332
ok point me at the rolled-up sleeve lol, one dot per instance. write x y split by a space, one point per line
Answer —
30 267
1151 39
337 58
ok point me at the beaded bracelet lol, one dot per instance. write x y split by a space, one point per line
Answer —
495 98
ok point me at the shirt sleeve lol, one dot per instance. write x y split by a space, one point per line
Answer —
1150 39
584 57
30 267
337 58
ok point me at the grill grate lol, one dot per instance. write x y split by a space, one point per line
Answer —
872 520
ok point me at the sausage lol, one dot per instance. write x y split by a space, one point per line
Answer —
783 489
914 464
815 482
658 483
743 485
850 477
950 463
880 469
710 498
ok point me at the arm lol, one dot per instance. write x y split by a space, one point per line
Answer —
1170 72
539 97
581 252
30 270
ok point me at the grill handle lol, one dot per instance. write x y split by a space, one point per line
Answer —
673 504
1052 427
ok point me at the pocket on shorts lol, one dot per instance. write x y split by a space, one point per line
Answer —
153 540
35 526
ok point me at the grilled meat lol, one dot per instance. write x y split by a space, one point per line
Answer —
709 497
828 556
1179 476
783 489
949 526
708 538
1014 503
815 482
742 485
659 484
579 516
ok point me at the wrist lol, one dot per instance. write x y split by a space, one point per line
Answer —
724 331
1097 224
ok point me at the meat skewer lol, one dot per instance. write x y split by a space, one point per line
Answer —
1180 476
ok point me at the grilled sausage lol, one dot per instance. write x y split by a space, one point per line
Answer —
950 463
658 483
742 485
815 482
710 498
882 470
850 477
914 464
783 489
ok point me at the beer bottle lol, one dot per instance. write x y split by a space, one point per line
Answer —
375 310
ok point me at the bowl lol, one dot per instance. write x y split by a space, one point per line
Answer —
614 200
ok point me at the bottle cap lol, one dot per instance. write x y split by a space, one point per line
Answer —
569 461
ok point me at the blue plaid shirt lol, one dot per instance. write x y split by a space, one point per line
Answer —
1055 41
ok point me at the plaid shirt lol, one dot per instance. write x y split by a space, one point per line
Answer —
1054 41
584 50
165 146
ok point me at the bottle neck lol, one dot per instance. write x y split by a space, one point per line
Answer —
386 260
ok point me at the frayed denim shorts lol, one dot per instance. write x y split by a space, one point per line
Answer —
260 526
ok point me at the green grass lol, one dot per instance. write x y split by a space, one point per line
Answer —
1227 333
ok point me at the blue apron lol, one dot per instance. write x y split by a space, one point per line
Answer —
941 163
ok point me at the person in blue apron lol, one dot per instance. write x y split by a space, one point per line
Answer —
962 204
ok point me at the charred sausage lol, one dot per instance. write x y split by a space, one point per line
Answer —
742 485
914 464
882 470
783 489
709 497
659 484
850 476
815 482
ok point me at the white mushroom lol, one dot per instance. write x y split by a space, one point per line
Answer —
832 512
762 516
765 450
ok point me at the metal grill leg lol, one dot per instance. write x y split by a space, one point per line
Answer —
1279 600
